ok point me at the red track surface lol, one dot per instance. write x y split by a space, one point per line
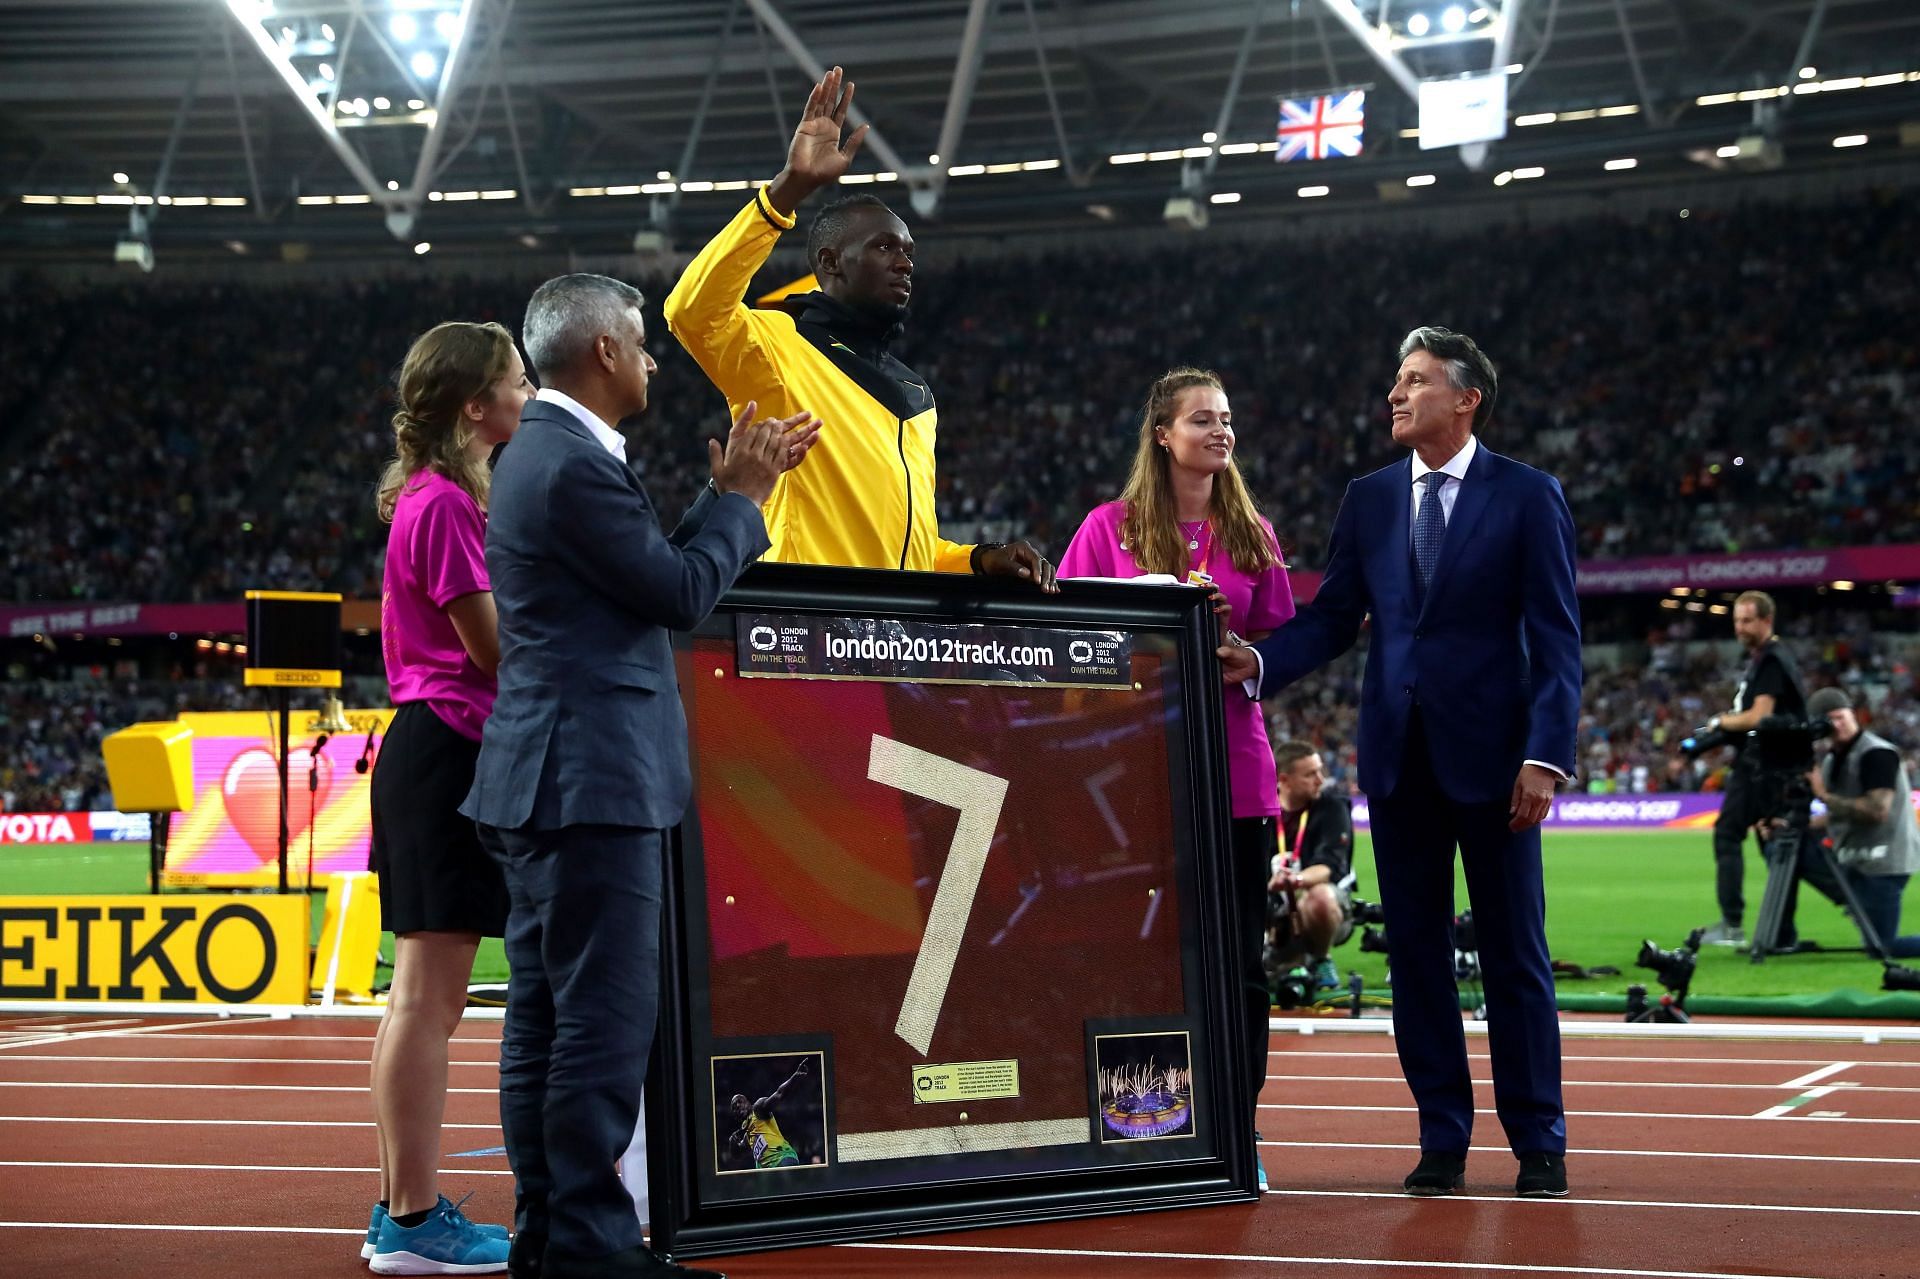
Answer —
253 1139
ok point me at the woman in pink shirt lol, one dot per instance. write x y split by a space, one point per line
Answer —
1186 512
461 389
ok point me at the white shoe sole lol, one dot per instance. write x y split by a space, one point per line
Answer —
407 1263
366 1252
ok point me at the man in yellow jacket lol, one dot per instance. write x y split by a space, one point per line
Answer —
866 496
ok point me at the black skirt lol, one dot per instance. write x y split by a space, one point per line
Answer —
434 876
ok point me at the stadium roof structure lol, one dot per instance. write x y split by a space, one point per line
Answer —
373 126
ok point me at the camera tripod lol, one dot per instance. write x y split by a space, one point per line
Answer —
1782 855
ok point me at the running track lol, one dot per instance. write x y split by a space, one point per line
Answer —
175 1145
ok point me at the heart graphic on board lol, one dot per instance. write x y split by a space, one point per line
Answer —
251 792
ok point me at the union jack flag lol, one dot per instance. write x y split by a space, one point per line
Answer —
1323 127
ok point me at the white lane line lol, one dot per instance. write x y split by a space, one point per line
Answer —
361 1062
1595 1083
222 1230
1448 1267
1611 1057
324 1168
1767 1155
1811 1094
1815 1076
1606 1203
217 1123
63 1083
200 1032
1607 1114
122 1032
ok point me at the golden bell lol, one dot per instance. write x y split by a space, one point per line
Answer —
333 717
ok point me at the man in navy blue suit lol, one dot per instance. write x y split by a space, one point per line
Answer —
1464 561
583 764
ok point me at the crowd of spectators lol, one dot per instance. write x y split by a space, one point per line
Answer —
50 733
1736 380
189 441
1640 703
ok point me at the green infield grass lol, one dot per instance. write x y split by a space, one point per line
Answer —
1606 891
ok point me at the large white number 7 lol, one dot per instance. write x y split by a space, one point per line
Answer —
978 796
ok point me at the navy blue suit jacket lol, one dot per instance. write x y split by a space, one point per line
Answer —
1492 656
588 727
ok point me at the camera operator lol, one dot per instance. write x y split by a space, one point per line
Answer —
1869 819
1310 897
1770 686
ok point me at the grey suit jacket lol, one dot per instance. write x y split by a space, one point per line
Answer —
588 727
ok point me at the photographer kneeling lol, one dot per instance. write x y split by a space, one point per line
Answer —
1309 899
1870 824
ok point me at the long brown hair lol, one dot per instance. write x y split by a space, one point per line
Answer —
1151 527
447 366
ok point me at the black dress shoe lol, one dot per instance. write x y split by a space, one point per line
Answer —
1439 1172
637 1262
1542 1176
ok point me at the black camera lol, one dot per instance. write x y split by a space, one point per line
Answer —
1782 735
1900 977
1294 989
1366 912
1673 968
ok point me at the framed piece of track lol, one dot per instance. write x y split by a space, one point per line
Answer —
948 922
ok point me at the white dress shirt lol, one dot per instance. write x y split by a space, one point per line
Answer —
1454 468
615 442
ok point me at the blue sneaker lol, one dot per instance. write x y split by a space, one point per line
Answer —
1326 976
379 1217
446 1243
377 1220
1260 1168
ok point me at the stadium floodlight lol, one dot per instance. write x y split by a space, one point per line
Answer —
1313 193
120 178
1454 19
1616 166
1417 25
422 249
408 51
1851 140
1808 73
1422 180
1224 197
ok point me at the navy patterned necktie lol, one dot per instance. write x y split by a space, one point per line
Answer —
1429 529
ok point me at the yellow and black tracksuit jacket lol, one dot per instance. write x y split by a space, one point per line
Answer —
864 496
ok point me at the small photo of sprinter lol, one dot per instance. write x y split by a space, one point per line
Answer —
770 1112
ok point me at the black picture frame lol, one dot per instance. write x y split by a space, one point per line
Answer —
1068 1174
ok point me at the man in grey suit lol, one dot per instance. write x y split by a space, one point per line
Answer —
583 766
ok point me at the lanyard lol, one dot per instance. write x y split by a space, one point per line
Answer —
1299 839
